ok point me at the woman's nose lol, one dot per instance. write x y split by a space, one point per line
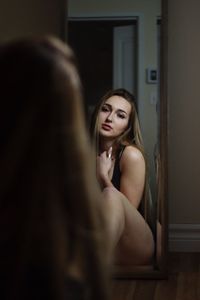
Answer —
109 117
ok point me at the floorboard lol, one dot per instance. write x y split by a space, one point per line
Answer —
183 282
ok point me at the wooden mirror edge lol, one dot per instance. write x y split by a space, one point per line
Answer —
164 134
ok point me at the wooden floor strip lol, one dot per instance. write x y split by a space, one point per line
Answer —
183 282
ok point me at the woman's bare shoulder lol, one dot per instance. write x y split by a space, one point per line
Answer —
132 155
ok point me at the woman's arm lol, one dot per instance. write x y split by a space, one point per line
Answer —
133 170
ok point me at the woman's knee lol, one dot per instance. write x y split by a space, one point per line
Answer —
109 192
112 197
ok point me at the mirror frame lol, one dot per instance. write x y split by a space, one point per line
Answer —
164 134
133 272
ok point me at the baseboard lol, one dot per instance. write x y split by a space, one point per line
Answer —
184 237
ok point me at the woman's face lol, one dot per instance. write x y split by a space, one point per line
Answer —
114 117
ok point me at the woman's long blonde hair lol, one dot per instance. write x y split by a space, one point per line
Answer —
50 209
131 136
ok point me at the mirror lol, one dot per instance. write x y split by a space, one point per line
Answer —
123 44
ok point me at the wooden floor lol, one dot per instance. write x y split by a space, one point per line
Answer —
183 282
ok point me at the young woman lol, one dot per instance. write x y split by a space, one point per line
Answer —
122 175
52 233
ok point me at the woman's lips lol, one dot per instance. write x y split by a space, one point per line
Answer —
106 127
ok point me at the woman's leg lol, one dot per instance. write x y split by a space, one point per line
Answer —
115 215
130 235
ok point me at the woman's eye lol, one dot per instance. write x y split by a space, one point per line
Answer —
121 116
104 108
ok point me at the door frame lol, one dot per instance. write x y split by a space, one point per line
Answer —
140 70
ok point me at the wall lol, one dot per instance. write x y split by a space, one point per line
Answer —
184 123
31 17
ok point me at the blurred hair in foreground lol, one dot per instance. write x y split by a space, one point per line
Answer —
52 226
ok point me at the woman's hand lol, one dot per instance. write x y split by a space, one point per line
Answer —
104 164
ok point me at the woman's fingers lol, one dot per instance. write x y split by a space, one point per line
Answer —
109 154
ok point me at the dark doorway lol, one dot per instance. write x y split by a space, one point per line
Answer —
92 42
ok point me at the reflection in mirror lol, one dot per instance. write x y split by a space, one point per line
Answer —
118 46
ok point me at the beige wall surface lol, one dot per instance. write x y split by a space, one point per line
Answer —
184 111
20 18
